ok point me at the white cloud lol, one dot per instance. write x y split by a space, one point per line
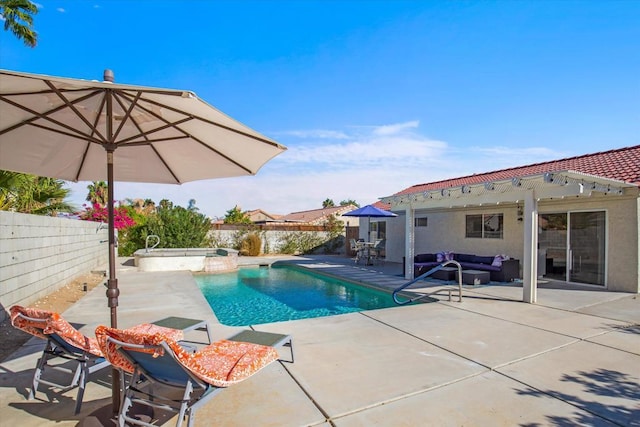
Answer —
61 10
396 128
362 163
316 133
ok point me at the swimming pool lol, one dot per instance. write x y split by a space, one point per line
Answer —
252 296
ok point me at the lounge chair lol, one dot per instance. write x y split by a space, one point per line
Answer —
167 376
63 341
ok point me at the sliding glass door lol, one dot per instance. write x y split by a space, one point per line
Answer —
552 242
572 246
587 247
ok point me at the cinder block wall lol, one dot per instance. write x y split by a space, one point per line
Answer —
39 254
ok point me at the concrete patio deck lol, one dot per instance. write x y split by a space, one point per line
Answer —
491 360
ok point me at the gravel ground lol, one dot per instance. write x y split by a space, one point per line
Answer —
58 301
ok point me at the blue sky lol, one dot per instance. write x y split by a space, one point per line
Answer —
370 97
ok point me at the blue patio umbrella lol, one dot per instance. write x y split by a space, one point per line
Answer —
370 211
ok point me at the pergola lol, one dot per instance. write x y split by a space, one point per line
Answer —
528 190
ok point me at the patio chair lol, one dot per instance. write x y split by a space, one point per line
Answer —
378 250
63 342
354 248
359 248
168 377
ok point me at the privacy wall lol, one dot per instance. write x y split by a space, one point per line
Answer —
39 254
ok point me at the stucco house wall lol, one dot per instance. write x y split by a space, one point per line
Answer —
623 236
39 254
445 231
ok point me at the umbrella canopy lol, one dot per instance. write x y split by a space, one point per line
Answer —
60 128
370 211
81 130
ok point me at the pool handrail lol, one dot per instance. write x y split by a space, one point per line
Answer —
146 242
422 276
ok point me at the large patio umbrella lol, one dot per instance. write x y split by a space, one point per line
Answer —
370 211
81 130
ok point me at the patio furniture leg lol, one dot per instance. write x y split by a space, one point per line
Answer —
81 385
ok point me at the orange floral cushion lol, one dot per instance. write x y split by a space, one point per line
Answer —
151 329
54 324
131 336
221 364
29 326
224 363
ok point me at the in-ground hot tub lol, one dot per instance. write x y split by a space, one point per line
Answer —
210 260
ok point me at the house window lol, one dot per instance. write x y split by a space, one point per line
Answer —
485 226
421 222
378 230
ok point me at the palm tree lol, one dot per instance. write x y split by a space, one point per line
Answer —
97 193
18 17
166 204
328 203
33 194
9 181
349 202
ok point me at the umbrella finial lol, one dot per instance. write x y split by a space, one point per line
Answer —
108 76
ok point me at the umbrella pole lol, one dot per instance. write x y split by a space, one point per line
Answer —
112 292
112 287
112 283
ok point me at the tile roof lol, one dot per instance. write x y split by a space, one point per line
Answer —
316 215
621 164
382 205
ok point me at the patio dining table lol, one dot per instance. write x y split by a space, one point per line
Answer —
366 248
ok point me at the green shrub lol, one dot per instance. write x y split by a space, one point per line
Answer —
176 226
299 242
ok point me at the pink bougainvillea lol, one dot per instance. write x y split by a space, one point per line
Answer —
98 213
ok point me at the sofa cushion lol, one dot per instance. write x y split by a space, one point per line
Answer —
477 266
497 260
425 258
464 257
483 259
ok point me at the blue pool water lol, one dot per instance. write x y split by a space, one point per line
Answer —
263 295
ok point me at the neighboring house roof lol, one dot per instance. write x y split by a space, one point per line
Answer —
621 164
382 205
260 215
316 216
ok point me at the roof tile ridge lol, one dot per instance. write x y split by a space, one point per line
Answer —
549 162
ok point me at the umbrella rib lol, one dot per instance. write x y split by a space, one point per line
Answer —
71 135
142 134
134 101
45 116
223 155
165 163
168 125
73 108
211 122
86 149
186 134
127 114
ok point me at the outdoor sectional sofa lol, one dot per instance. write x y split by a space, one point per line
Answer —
499 268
